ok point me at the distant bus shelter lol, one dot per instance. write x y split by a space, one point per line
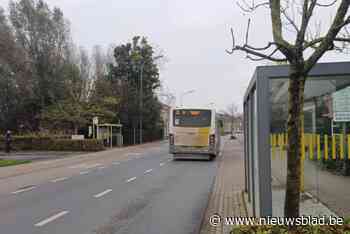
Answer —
111 134
326 117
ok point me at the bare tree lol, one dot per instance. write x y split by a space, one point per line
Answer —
231 111
302 52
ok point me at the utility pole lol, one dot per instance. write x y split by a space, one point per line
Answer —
141 100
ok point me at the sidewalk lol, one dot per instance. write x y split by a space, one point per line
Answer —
226 198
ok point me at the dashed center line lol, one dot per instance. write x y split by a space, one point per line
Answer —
133 154
161 164
93 166
59 179
100 168
84 172
52 218
148 171
103 193
24 190
131 179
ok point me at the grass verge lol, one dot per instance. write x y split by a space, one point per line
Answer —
12 162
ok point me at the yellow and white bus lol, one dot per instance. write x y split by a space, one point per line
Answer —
194 133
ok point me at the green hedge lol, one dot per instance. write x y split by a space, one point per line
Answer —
41 143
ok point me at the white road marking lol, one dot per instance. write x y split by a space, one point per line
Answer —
133 154
100 168
93 166
148 171
59 179
24 190
78 166
131 179
103 193
161 164
170 159
52 218
84 172
116 163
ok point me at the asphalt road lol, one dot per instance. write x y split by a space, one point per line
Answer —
148 193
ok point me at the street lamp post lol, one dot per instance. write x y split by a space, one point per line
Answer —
141 93
185 93
141 101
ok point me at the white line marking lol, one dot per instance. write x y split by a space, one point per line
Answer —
133 154
78 166
116 163
93 166
103 193
161 164
170 159
59 179
52 218
84 172
131 179
100 168
24 190
148 171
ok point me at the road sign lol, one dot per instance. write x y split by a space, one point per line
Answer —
341 105
341 116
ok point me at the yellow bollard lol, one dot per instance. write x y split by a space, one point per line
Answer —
349 147
341 148
284 143
326 147
311 147
302 162
273 141
302 146
334 156
302 176
318 147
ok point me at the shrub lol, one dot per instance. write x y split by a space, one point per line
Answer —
52 143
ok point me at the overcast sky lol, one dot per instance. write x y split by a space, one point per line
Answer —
193 35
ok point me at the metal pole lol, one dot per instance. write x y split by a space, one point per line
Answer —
134 135
141 100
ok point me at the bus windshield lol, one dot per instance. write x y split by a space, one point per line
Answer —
192 118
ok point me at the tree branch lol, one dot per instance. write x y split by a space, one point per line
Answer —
318 40
250 50
249 9
306 16
284 46
327 41
326 5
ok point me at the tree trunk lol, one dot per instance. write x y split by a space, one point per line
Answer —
295 110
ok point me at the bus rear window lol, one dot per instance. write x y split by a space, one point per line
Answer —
192 118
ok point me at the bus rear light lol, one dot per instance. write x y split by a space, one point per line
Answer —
171 139
212 139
